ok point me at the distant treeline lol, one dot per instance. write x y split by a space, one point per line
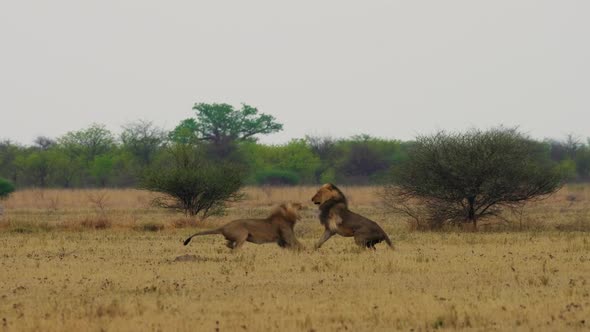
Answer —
95 157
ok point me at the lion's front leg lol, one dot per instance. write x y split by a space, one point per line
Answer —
325 237
287 239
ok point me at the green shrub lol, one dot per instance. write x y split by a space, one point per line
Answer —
192 185
6 188
277 177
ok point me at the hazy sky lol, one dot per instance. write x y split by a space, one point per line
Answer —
387 68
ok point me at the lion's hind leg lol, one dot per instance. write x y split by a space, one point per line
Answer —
363 240
371 244
235 236
241 237
360 240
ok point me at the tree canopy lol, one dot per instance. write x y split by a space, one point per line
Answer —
142 139
95 157
89 142
222 125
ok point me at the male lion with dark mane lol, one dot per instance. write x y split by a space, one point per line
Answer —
338 219
278 228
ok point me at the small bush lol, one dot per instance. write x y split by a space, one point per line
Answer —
190 184
6 188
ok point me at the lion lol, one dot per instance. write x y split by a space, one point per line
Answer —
338 219
278 228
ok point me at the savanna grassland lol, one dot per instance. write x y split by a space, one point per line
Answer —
106 260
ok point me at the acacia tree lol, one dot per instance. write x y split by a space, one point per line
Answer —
65 167
142 139
44 143
35 166
88 143
185 132
362 157
464 177
222 125
325 149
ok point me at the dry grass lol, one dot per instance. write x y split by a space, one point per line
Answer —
69 264
568 210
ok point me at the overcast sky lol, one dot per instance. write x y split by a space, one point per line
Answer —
391 69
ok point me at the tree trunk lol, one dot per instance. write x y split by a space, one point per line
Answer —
471 213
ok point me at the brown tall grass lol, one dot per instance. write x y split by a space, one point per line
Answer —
48 199
568 209
106 260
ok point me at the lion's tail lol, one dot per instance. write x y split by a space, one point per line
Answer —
213 231
388 241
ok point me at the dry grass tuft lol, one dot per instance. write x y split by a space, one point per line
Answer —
184 222
150 227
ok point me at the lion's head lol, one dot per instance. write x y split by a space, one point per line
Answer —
289 211
328 193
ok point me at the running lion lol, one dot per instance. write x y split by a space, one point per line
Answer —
278 228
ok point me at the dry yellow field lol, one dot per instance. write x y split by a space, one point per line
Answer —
105 260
